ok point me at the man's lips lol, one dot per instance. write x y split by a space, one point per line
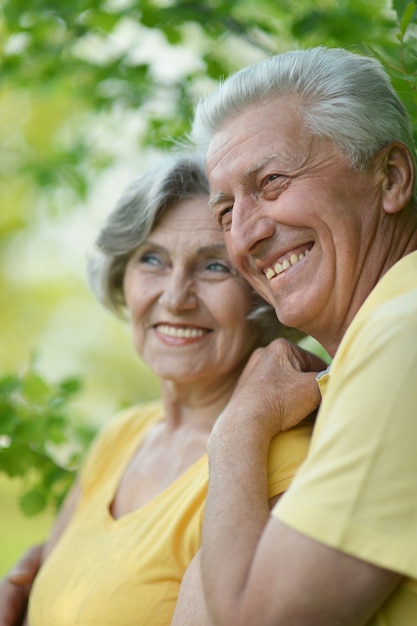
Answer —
288 260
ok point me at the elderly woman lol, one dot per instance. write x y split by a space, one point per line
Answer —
132 523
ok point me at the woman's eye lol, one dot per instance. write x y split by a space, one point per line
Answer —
217 266
149 258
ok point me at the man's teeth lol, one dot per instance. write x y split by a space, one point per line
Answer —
278 268
174 331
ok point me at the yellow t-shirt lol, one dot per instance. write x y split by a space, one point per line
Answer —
128 571
357 490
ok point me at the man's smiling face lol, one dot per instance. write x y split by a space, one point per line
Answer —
298 221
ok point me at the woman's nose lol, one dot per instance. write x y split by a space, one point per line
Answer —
179 293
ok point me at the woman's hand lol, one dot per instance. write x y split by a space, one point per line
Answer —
16 585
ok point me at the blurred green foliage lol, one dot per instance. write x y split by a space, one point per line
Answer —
40 441
66 68
84 57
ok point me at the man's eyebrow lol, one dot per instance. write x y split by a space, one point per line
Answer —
217 198
253 168
258 165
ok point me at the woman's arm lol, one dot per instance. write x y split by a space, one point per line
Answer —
16 585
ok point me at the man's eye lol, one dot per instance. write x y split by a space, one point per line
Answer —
271 178
273 185
224 218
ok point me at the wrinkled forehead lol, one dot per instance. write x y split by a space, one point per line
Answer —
250 139
189 219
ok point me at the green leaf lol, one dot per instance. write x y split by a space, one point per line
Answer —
8 422
30 432
17 459
55 475
33 501
35 388
101 20
71 385
400 7
407 16
56 429
9 383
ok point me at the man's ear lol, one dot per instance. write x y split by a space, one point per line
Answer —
399 173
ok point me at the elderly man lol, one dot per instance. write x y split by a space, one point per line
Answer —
312 169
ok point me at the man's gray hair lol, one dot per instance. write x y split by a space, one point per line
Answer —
343 96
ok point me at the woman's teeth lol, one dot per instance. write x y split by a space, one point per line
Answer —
174 331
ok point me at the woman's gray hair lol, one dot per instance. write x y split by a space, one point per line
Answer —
265 322
172 179
343 96
179 176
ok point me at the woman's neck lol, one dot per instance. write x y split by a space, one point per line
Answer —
195 405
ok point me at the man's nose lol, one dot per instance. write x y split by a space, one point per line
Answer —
179 292
250 226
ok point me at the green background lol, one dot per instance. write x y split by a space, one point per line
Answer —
90 92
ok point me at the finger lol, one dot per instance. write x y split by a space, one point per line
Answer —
25 570
13 602
312 362
301 359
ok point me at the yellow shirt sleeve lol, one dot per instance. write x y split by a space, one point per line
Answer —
357 490
286 453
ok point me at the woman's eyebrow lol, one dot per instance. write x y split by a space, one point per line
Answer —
215 248
149 242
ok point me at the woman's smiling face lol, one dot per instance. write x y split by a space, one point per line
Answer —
188 304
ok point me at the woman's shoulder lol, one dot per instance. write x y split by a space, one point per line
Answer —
132 418
119 433
287 451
